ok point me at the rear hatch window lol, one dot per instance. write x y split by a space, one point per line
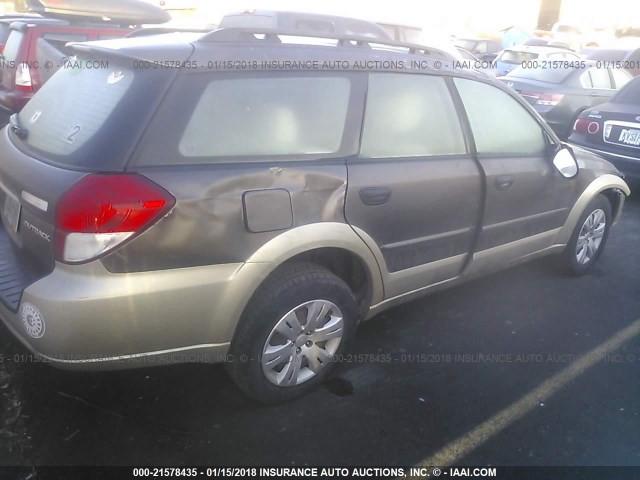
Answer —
511 56
550 75
90 113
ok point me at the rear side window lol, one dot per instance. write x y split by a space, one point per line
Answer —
88 117
410 116
269 116
620 78
596 78
513 131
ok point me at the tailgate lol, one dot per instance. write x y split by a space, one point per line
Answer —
29 190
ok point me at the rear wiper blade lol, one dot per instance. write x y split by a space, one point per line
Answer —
16 128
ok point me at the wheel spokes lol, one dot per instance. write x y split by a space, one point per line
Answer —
318 358
302 343
332 329
289 374
316 312
590 236
275 355
289 327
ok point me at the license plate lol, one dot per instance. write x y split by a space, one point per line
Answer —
629 136
11 211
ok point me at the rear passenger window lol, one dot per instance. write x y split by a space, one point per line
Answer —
499 123
620 77
596 78
267 116
410 116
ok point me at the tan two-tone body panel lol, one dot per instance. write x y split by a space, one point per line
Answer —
110 320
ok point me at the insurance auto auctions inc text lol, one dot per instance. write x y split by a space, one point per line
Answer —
374 472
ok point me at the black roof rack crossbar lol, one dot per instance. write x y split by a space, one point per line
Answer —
243 35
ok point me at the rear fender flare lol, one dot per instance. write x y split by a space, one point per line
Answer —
248 277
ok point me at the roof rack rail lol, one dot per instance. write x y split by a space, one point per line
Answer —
242 35
143 32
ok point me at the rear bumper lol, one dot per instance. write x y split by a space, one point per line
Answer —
630 166
89 318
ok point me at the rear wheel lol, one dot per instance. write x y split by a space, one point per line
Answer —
293 330
589 237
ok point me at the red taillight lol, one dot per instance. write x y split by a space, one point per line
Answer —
101 211
585 125
546 99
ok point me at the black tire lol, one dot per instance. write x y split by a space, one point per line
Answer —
573 266
289 287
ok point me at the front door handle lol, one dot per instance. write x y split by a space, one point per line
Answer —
375 195
504 182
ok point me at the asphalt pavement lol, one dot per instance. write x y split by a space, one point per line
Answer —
481 374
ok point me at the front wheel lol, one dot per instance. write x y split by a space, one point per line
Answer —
292 332
589 237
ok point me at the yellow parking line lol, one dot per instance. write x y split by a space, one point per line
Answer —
455 450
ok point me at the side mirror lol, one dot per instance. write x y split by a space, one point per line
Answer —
566 163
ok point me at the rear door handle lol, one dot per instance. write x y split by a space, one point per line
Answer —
504 182
375 195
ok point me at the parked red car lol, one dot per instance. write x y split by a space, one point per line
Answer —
36 47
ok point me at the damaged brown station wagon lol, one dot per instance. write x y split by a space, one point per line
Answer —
210 209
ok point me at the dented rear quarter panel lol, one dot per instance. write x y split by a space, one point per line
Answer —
208 224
